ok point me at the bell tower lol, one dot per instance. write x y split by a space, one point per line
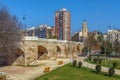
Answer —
84 30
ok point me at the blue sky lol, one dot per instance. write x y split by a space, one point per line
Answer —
99 14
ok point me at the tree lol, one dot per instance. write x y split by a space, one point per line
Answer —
116 47
74 62
111 71
85 50
98 68
107 47
79 64
91 43
100 37
75 37
10 33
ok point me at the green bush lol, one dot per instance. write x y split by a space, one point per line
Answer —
74 62
98 68
111 71
115 64
79 64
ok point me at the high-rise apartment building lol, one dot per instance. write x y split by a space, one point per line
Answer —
113 35
51 33
62 24
42 31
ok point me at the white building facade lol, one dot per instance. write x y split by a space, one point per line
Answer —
113 35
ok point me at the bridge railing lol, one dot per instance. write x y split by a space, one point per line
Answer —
49 40
30 38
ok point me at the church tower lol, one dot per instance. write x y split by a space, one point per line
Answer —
84 30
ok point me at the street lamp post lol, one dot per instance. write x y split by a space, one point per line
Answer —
24 19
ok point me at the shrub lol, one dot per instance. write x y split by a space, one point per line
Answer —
79 64
111 71
115 64
95 60
74 62
98 68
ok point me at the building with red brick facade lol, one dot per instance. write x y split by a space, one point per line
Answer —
62 24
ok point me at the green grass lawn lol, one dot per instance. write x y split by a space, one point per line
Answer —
69 72
107 63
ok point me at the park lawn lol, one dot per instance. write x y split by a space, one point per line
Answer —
68 72
107 63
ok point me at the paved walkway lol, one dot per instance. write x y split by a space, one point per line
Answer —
30 73
92 66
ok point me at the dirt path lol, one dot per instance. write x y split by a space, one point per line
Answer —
30 73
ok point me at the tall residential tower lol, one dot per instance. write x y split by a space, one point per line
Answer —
62 24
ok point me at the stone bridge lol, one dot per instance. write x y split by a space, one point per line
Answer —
38 49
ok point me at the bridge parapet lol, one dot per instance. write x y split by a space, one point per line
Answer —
35 38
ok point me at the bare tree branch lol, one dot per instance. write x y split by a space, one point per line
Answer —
10 32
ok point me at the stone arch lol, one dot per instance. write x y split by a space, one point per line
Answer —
78 49
58 50
19 56
16 57
42 52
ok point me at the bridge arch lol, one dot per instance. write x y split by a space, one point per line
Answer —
42 52
78 48
16 57
58 50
